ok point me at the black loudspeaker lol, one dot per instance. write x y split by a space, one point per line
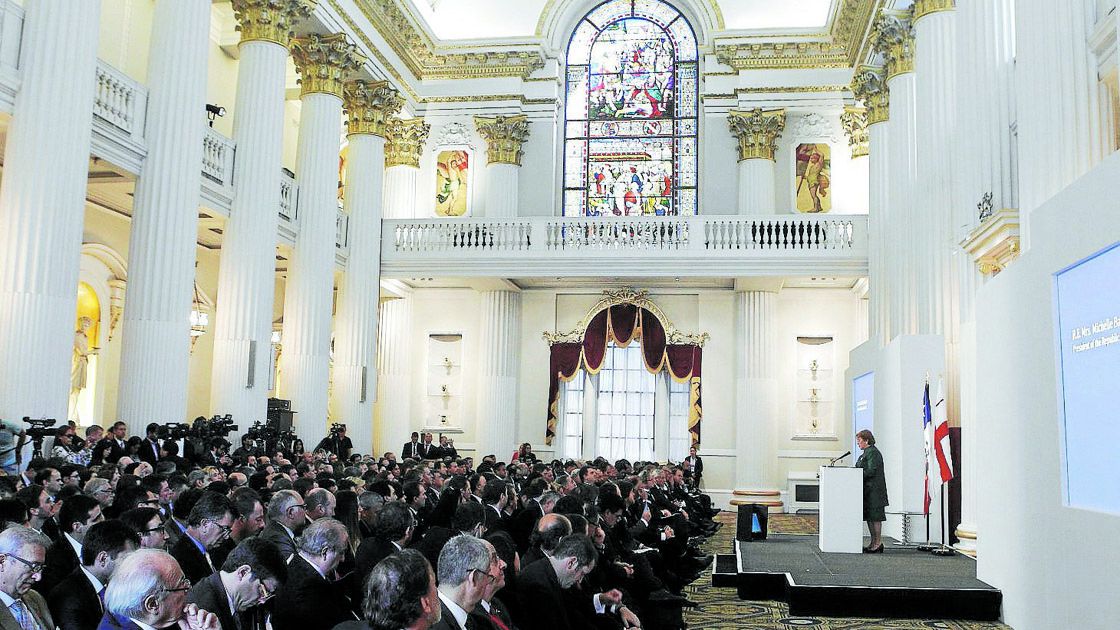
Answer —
751 522
280 419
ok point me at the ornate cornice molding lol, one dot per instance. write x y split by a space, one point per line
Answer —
270 20
627 295
854 120
923 8
324 62
405 141
369 104
758 131
504 136
870 86
894 40
841 47
426 60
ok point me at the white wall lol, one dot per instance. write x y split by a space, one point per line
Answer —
1055 565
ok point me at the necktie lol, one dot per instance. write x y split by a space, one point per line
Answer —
497 621
23 616
101 598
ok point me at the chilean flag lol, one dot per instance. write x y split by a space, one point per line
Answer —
936 433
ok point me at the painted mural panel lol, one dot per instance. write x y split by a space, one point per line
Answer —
814 178
452 183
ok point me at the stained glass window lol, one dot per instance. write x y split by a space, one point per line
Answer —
631 109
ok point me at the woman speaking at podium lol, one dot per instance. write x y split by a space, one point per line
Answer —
874 489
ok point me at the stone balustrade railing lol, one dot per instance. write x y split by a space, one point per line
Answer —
217 158
120 101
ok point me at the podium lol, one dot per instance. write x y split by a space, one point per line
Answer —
841 518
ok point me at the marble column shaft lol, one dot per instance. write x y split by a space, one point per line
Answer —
247 276
42 206
756 187
355 371
501 190
499 345
879 211
756 389
155 341
309 290
400 191
394 364
901 231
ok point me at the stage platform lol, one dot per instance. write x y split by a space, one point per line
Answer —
901 582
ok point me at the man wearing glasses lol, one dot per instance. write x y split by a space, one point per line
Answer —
287 516
250 575
312 597
42 506
466 570
209 523
149 591
22 551
78 514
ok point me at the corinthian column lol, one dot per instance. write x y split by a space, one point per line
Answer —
42 206
323 63
870 86
504 137
895 41
756 396
246 279
758 131
394 361
155 342
404 144
498 344
368 106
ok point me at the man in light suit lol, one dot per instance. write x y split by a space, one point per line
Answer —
22 553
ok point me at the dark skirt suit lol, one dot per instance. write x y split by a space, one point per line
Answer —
874 485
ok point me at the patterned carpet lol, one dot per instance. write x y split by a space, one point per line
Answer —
721 609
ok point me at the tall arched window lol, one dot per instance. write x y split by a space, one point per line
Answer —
631 112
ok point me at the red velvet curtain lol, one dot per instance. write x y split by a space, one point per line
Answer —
623 323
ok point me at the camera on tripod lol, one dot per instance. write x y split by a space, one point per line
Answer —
40 427
174 431
337 429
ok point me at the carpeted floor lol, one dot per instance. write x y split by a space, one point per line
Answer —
721 609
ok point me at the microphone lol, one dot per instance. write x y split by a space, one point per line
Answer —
839 458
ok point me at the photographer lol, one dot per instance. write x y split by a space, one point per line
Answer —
337 442
247 449
12 439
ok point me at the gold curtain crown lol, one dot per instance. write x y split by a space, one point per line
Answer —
870 86
405 141
758 131
369 104
270 20
854 121
894 39
324 62
923 8
504 137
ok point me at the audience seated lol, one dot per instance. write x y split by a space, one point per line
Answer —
75 603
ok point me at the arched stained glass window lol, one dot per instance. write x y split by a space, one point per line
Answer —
631 112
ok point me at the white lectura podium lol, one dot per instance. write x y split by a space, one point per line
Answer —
841 519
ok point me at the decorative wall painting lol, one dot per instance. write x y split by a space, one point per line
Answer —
814 178
452 183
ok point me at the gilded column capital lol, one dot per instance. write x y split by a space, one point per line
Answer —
854 120
504 136
369 104
923 8
270 20
405 141
324 62
758 131
894 39
870 86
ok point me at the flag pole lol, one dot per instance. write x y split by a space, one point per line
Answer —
928 546
943 549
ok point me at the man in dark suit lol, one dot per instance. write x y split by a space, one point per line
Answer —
394 529
287 516
400 593
411 449
149 448
252 572
77 515
112 447
495 497
427 449
159 603
23 549
695 467
467 566
311 598
209 523
75 603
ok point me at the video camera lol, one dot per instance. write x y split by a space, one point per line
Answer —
40 427
174 431
337 429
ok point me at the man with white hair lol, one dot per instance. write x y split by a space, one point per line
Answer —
149 591
311 598
467 566
22 552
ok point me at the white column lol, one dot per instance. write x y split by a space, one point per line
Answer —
1053 84
756 187
405 140
42 206
501 190
900 230
246 278
394 364
155 342
504 135
322 61
756 389
757 132
935 82
400 191
499 343
879 218
355 371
